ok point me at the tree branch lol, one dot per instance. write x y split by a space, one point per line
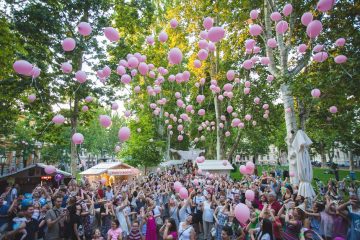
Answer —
269 51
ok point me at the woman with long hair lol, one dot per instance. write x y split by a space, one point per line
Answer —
265 232
170 229
186 230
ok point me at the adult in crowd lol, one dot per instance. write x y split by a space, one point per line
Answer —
151 208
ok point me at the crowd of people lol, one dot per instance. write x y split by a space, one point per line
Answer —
150 208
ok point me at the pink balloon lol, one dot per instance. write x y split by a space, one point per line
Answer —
266 106
183 193
248 64
175 56
257 100
230 75
143 68
199 171
112 34
255 30
85 108
208 23
282 27
114 106
35 72
250 165
250 43
58 119
340 42
314 28
77 138
325 5
287 10
215 34
340 59
275 16
124 134
272 43
228 87
105 121
302 48
242 169
68 44
133 62
49 169
227 134
150 40
201 112
84 29
202 54
249 195
203 35
225 162
265 61
246 91
88 99
229 109
292 174
221 97
180 138
80 76
137 89
163 37
270 78
106 71
179 103
266 115
318 48
196 182
306 18
333 109
23 67
254 14
320 57
66 67
203 44
177 186
315 93
200 98
247 84
126 79
173 23
121 70
197 63
235 122
242 213
248 117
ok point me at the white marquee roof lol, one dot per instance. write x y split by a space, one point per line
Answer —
214 165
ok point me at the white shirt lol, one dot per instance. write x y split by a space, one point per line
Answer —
109 195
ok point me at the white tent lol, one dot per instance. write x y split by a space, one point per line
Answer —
301 144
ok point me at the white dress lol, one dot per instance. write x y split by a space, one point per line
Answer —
120 214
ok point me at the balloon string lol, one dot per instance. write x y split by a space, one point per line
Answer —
347 73
77 89
45 128
37 90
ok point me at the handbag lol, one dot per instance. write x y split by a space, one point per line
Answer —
213 231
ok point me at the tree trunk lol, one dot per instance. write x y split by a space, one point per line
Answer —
219 137
291 129
323 155
73 154
351 159
167 157
219 132
233 148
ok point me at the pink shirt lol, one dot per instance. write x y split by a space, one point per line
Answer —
114 234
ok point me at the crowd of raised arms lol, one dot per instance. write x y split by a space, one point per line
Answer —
149 208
